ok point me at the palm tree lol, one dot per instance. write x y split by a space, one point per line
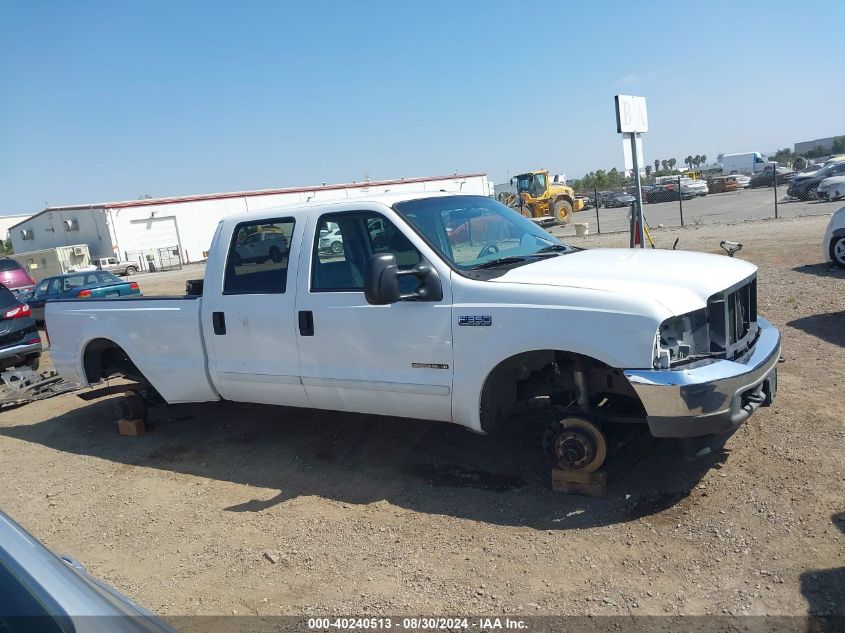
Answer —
665 164
688 160
648 171
656 164
672 163
703 159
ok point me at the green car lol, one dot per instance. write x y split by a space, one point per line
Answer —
83 285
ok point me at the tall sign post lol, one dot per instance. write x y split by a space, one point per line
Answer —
631 121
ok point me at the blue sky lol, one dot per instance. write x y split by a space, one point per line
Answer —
111 100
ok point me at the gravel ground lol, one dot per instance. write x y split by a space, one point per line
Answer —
230 508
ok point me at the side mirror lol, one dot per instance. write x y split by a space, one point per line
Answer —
381 281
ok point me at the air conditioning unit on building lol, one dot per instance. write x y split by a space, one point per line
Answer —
27 234
79 251
71 225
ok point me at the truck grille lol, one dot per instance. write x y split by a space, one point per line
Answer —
733 319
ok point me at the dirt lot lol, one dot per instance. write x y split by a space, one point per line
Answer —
367 515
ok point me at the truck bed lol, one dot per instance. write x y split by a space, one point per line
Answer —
162 335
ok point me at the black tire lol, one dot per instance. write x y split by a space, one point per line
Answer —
131 270
837 250
562 211
275 254
337 248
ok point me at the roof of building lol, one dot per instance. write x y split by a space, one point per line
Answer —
242 194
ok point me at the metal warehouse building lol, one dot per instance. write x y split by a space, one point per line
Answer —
161 229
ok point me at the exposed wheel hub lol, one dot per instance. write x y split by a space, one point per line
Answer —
576 444
573 450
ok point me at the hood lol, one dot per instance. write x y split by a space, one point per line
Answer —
681 281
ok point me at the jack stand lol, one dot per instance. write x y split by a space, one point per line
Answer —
580 483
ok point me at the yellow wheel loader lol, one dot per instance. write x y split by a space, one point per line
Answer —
545 202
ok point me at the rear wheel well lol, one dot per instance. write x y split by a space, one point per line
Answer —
104 358
562 378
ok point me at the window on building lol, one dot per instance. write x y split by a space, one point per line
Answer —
257 262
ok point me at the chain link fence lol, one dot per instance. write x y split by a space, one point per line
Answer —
682 200
156 259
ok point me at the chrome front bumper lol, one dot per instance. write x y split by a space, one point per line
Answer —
710 397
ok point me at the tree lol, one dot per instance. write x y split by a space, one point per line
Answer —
696 160
838 146
703 160
648 171
656 164
688 160
672 163
665 164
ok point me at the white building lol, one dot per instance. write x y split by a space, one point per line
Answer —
8 221
137 230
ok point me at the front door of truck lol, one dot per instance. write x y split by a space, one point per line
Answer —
249 321
390 360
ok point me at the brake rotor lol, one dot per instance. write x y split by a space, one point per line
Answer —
577 444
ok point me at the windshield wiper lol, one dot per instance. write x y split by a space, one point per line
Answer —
502 261
554 248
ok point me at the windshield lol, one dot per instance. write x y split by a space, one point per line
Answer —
533 184
470 231
9 264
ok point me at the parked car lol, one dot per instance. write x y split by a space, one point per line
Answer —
83 285
831 188
721 184
587 200
331 240
603 196
742 181
767 177
116 266
40 591
619 200
804 187
20 342
834 239
15 278
667 193
690 188
261 246
670 340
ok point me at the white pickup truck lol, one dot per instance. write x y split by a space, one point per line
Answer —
444 307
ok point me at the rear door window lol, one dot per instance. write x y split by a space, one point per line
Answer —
73 281
258 257
9 264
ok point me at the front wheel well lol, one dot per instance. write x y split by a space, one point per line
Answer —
104 358
563 378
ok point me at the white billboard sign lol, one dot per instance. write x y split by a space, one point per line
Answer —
631 114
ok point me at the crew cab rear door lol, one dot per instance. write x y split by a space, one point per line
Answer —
248 318
388 359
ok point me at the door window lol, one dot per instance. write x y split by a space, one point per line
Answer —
41 289
74 281
344 241
55 287
257 262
